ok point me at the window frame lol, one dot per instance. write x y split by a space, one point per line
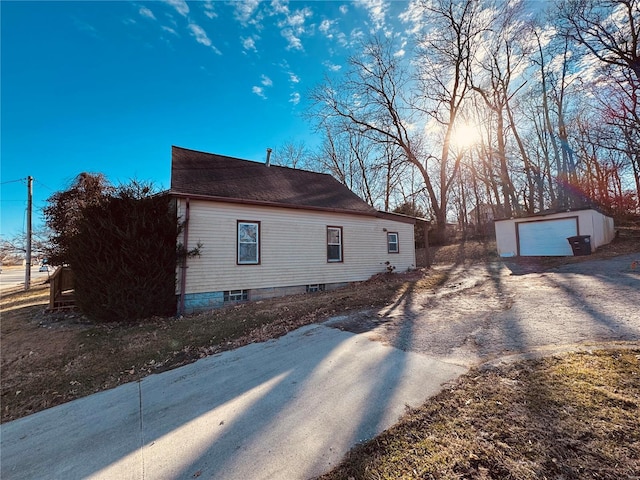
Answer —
389 243
230 296
341 244
315 288
257 242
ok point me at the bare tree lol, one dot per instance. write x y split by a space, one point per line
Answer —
371 102
382 101
609 31
503 59
15 247
291 154
447 43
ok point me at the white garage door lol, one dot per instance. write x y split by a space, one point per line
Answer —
547 237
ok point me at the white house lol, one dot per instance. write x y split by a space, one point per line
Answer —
547 234
484 213
268 230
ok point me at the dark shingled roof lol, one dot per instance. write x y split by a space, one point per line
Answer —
218 177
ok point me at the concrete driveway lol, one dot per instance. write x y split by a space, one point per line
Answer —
289 408
488 311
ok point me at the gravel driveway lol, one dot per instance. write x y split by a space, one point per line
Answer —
485 311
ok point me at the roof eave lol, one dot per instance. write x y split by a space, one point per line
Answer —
242 201
400 217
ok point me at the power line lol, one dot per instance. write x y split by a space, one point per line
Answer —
42 184
13 181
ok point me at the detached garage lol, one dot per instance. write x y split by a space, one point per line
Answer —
545 235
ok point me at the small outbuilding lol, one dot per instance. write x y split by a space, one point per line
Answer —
545 235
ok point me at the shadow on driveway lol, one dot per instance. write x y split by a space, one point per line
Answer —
287 408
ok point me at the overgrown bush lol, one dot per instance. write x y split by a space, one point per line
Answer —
64 210
124 256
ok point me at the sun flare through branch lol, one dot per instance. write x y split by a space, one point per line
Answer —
465 136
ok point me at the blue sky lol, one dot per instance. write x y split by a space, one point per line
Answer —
109 86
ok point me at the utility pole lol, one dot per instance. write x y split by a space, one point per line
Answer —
27 270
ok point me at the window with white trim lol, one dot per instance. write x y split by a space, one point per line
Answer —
319 287
248 243
393 245
334 244
235 295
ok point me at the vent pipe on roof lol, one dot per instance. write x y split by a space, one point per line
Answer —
268 162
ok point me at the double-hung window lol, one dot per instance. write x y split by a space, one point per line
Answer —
334 244
248 243
393 245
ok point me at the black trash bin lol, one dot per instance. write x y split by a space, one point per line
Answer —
580 244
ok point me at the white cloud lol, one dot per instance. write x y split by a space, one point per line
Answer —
344 9
145 12
356 35
413 15
294 98
266 81
201 37
377 11
293 26
325 26
180 5
297 18
280 6
259 91
170 30
293 78
401 52
209 10
245 10
249 44
294 42
85 27
330 66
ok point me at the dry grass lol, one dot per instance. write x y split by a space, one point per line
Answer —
565 417
48 359
469 251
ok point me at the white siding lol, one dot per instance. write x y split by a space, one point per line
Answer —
293 247
506 238
590 222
